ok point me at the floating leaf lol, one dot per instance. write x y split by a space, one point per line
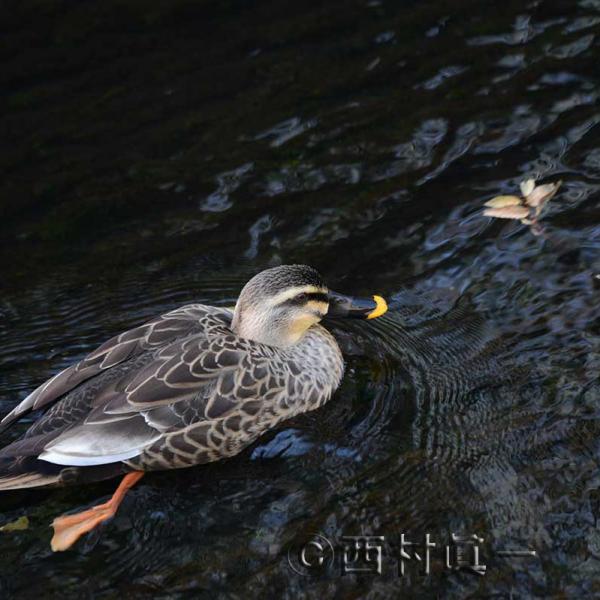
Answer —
507 212
20 524
527 186
541 194
502 201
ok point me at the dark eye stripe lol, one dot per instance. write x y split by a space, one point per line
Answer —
307 297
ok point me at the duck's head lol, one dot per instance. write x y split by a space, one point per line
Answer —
279 305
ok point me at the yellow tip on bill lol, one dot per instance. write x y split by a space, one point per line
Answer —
380 309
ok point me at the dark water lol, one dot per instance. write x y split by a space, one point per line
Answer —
156 154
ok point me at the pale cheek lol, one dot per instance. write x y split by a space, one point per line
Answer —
319 307
301 324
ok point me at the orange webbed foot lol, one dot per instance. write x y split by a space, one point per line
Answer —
69 528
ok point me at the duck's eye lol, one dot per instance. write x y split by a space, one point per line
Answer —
302 298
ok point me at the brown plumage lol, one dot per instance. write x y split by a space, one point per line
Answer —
178 391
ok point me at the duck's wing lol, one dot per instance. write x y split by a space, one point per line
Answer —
171 326
199 380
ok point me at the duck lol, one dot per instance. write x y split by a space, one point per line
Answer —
195 385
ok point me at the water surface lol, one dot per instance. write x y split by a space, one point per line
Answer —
155 156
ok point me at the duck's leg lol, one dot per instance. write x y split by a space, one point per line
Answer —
69 528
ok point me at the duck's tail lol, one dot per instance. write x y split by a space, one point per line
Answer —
27 480
27 472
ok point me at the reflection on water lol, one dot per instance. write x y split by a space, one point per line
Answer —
161 155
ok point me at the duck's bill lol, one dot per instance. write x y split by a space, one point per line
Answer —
358 308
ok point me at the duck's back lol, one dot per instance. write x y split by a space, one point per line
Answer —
71 396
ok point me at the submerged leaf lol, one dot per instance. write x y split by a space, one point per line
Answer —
527 186
541 194
507 212
20 524
502 201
